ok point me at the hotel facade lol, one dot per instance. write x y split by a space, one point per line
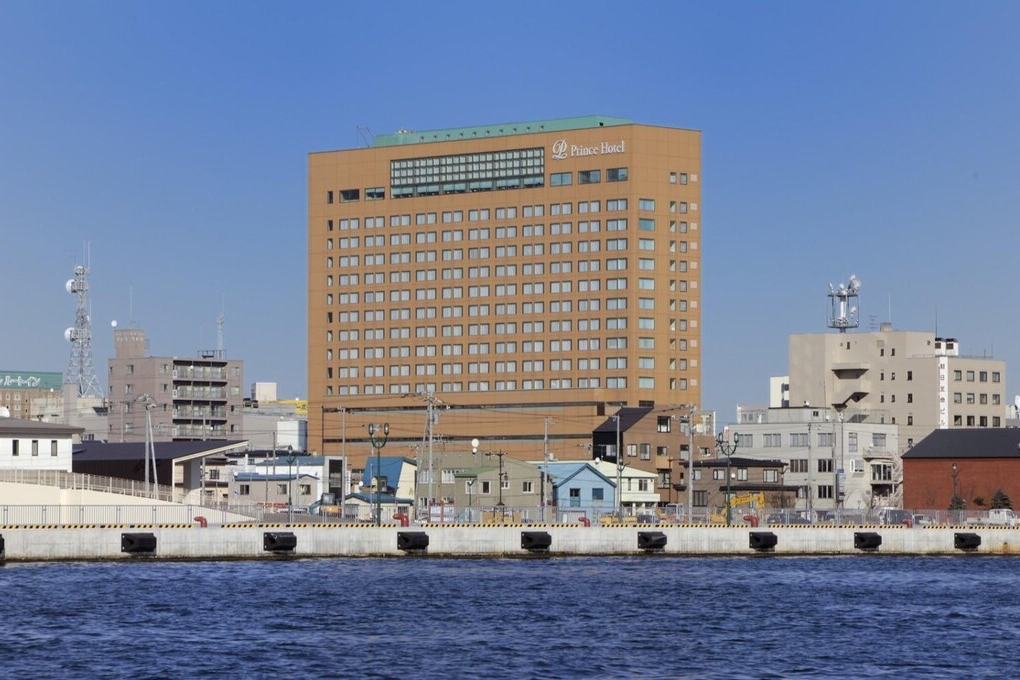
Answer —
514 283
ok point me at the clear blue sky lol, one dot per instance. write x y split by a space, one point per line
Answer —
874 138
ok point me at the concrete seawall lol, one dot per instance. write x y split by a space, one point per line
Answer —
249 541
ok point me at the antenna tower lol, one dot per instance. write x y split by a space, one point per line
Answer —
843 305
81 370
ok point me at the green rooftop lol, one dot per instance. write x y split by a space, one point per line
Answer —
498 130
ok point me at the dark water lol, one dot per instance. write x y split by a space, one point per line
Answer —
648 617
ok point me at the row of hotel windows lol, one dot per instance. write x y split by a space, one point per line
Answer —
424 238
485 252
508 309
503 385
583 286
616 264
484 329
33 448
502 347
501 290
483 214
483 367
501 308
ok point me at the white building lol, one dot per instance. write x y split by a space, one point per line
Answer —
30 445
831 460
911 379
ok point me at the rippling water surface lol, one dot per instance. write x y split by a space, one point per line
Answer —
656 617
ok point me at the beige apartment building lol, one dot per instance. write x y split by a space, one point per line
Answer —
188 398
911 379
524 280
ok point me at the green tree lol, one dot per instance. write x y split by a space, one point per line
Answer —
957 503
1001 500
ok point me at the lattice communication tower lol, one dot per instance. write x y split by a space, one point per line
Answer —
81 369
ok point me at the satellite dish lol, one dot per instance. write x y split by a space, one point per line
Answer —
69 335
69 286
113 324
5 412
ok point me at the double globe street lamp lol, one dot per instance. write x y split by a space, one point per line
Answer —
727 449
378 444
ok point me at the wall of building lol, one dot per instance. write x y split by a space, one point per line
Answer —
928 483
650 154
248 541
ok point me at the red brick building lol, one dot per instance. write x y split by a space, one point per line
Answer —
970 463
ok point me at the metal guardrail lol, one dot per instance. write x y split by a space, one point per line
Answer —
78 515
82 482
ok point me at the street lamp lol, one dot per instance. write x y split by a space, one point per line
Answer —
378 445
727 449
474 450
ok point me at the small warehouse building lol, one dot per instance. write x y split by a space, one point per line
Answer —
972 464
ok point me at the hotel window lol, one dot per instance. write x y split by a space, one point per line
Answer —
561 179
350 195
683 207
375 194
957 375
646 204
646 224
589 176
970 376
683 178
996 377
616 175
672 178
329 197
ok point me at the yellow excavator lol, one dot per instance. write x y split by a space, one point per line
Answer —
754 500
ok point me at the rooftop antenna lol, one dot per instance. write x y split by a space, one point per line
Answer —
843 305
81 369
366 135
219 329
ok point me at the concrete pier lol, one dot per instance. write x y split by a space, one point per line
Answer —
250 541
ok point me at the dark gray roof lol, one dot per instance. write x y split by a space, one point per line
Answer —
629 416
103 451
968 443
34 427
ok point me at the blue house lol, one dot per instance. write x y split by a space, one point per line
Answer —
579 489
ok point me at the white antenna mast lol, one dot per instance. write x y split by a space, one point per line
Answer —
843 305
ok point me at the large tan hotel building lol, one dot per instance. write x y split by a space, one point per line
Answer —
527 279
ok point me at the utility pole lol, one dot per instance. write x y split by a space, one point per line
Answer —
619 472
545 465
